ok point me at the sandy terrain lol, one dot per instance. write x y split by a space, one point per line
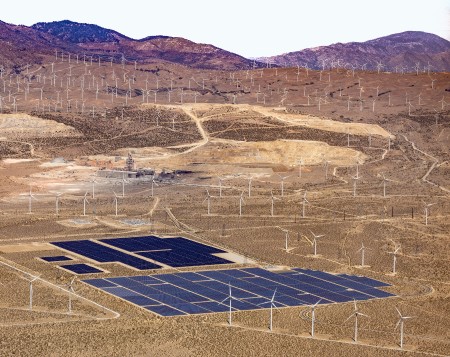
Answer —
347 140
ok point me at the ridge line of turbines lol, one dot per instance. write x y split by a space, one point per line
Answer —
102 83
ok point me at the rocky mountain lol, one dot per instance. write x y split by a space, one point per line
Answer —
98 40
395 51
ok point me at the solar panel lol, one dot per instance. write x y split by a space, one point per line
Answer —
103 254
56 258
175 252
81 268
183 293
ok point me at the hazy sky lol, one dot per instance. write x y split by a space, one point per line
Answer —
248 27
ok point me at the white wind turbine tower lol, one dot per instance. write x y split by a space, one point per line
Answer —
363 251
427 212
313 316
93 187
32 279
315 241
282 183
123 184
356 313
220 186
30 198
116 200
241 202
250 179
272 305
153 184
400 322
394 261
304 202
384 184
85 201
355 178
58 195
300 163
70 291
230 297
286 238
272 199
208 198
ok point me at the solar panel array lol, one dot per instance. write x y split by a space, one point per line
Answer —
81 268
206 291
56 258
174 252
103 254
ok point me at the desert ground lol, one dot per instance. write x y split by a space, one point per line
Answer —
368 151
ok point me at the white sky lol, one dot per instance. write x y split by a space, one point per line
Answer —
250 28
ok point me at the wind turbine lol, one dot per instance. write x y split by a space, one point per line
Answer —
315 241
362 250
394 262
93 187
355 178
153 184
116 199
272 305
313 316
208 198
220 185
85 200
272 199
123 184
356 313
300 163
33 278
58 195
250 179
230 297
384 185
400 322
326 169
282 183
304 202
241 202
286 237
30 198
70 290
426 210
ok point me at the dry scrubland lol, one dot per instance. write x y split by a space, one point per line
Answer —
281 116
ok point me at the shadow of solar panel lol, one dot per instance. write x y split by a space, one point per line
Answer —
57 258
100 283
164 310
103 254
81 268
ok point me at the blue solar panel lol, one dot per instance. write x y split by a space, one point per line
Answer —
100 283
102 254
183 293
164 310
364 280
175 252
81 269
57 258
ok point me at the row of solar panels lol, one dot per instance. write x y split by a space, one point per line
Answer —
204 292
174 252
